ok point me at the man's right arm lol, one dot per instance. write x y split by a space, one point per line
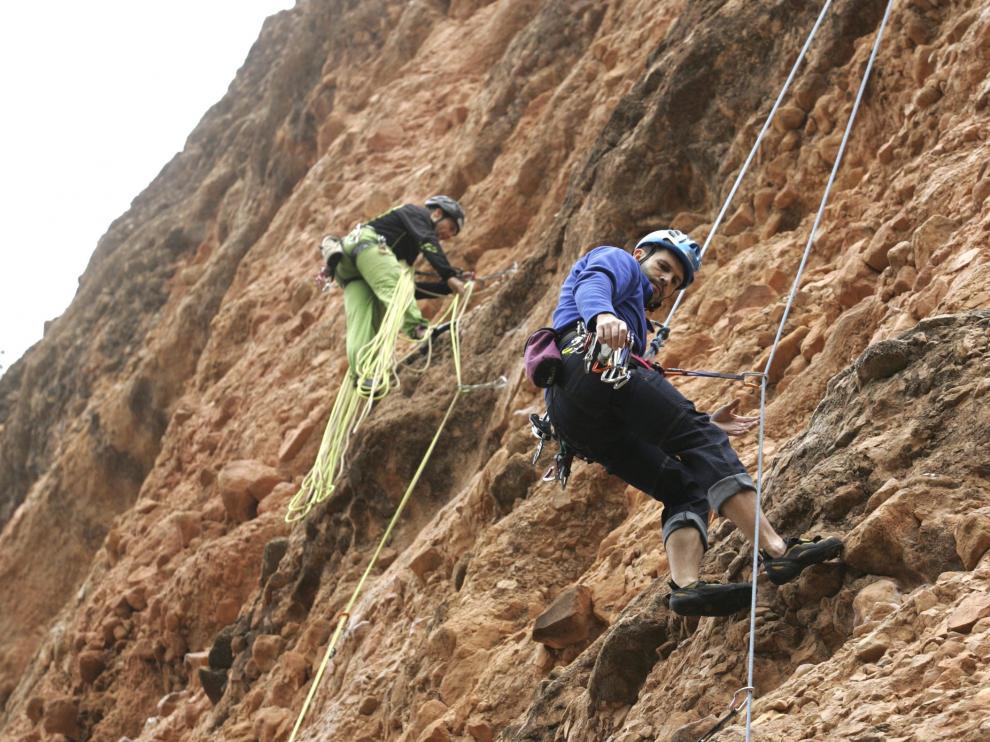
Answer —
608 277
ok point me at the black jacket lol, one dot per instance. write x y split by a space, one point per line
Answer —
409 231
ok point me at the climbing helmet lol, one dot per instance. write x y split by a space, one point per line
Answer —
687 250
448 206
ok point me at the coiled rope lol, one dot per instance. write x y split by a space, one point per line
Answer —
373 378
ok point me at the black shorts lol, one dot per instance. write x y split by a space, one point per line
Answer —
650 436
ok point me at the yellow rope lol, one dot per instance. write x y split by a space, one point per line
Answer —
459 305
375 362
435 322
319 482
374 379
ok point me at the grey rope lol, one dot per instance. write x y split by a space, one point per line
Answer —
752 153
773 351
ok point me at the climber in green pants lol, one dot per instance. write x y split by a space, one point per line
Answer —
370 263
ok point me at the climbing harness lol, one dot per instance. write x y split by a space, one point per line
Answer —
613 367
459 305
332 250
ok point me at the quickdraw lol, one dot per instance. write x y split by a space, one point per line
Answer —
611 363
734 708
543 431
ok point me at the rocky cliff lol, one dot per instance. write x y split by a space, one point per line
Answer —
150 443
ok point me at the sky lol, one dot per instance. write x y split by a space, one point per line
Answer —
97 97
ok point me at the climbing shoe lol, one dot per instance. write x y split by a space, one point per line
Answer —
702 598
798 555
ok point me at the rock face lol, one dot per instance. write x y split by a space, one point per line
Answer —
149 443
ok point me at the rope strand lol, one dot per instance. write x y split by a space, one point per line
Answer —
459 307
773 350
752 152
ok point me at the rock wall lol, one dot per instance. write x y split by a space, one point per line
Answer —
151 441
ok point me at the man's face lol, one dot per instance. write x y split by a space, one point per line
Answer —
443 224
664 271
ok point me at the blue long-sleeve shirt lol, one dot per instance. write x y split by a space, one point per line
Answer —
607 279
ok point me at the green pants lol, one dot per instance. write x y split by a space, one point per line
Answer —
369 284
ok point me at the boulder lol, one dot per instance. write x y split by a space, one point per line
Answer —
875 600
569 619
972 609
266 649
425 562
883 359
368 705
933 233
972 536
242 484
295 439
272 723
436 732
480 731
91 665
62 717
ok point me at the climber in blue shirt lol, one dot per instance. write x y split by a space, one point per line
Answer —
648 434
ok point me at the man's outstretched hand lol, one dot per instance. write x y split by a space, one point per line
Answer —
725 417
611 330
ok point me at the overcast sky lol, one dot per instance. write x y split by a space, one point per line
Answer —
97 97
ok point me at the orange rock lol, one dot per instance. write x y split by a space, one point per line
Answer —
35 709
265 650
436 732
789 117
971 610
368 705
425 562
91 665
272 724
870 650
295 439
972 536
248 477
568 620
742 219
874 600
62 716
429 712
480 731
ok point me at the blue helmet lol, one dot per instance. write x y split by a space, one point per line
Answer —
686 250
